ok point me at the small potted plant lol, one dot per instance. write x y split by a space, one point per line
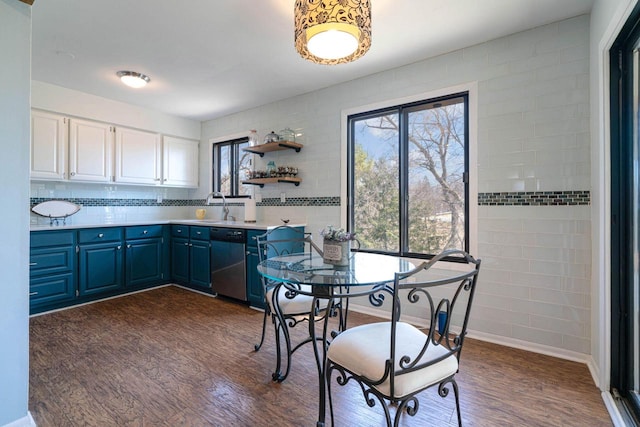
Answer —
336 245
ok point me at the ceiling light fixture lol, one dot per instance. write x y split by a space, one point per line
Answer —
133 79
332 31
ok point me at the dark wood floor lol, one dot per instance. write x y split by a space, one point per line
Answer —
171 357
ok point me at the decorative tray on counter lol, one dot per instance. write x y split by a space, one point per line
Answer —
55 210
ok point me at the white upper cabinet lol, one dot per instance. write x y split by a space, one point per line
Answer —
180 162
84 150
90 148
138 157
49 133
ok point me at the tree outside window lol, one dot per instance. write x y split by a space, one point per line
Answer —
231 166
408 177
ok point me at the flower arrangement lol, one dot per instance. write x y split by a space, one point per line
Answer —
337 234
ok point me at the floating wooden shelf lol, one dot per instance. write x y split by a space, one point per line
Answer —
262 181
274 146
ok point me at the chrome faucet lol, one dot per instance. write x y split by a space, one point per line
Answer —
225 208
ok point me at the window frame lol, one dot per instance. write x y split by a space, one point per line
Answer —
471 186
214 166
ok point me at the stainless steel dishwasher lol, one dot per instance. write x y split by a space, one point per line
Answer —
228 273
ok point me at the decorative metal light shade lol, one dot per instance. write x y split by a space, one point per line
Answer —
332 31
133 79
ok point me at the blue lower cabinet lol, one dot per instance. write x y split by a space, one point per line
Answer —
44 290
52 269
199 264
255 293
191 256
180 260
254 283
100 268
144 264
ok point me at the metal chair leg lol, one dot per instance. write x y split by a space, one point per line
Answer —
264 329
276 328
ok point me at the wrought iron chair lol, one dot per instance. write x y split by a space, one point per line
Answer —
294 308
394 361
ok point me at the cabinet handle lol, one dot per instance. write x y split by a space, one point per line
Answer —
128 246
190 244
156 179
32 294
145 232
31 264
186 244
72 173
119 247
198 232
179 231
101 235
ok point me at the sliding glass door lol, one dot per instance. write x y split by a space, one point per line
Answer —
625 216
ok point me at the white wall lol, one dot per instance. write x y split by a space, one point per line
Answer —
59 99
15 43
533 135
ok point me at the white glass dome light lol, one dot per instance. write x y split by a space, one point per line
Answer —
333 44
133 79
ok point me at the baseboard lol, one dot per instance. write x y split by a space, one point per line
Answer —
186 288
26 421
100 300
617 418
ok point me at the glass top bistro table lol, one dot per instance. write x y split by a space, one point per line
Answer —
367 274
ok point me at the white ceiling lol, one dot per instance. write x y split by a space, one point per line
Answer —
210 58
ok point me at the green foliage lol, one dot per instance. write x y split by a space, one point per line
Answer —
436 189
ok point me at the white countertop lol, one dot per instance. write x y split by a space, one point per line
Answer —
204 223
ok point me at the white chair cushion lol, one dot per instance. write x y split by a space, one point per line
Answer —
291 306
364 349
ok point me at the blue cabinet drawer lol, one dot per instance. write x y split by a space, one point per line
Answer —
53 238
180 231
100 235
51 260
48 289
143 232
199 233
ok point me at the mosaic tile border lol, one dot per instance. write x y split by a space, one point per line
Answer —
516 198
535 198
98 202
301 201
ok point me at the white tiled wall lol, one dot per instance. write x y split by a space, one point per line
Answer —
535 279
112 214
533 135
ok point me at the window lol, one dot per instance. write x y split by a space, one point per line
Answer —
230 166
408 177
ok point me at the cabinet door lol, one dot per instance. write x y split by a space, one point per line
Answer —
90 147
180 260
49 139
180 162
137 157
254 283
100 267
200 270
143 262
